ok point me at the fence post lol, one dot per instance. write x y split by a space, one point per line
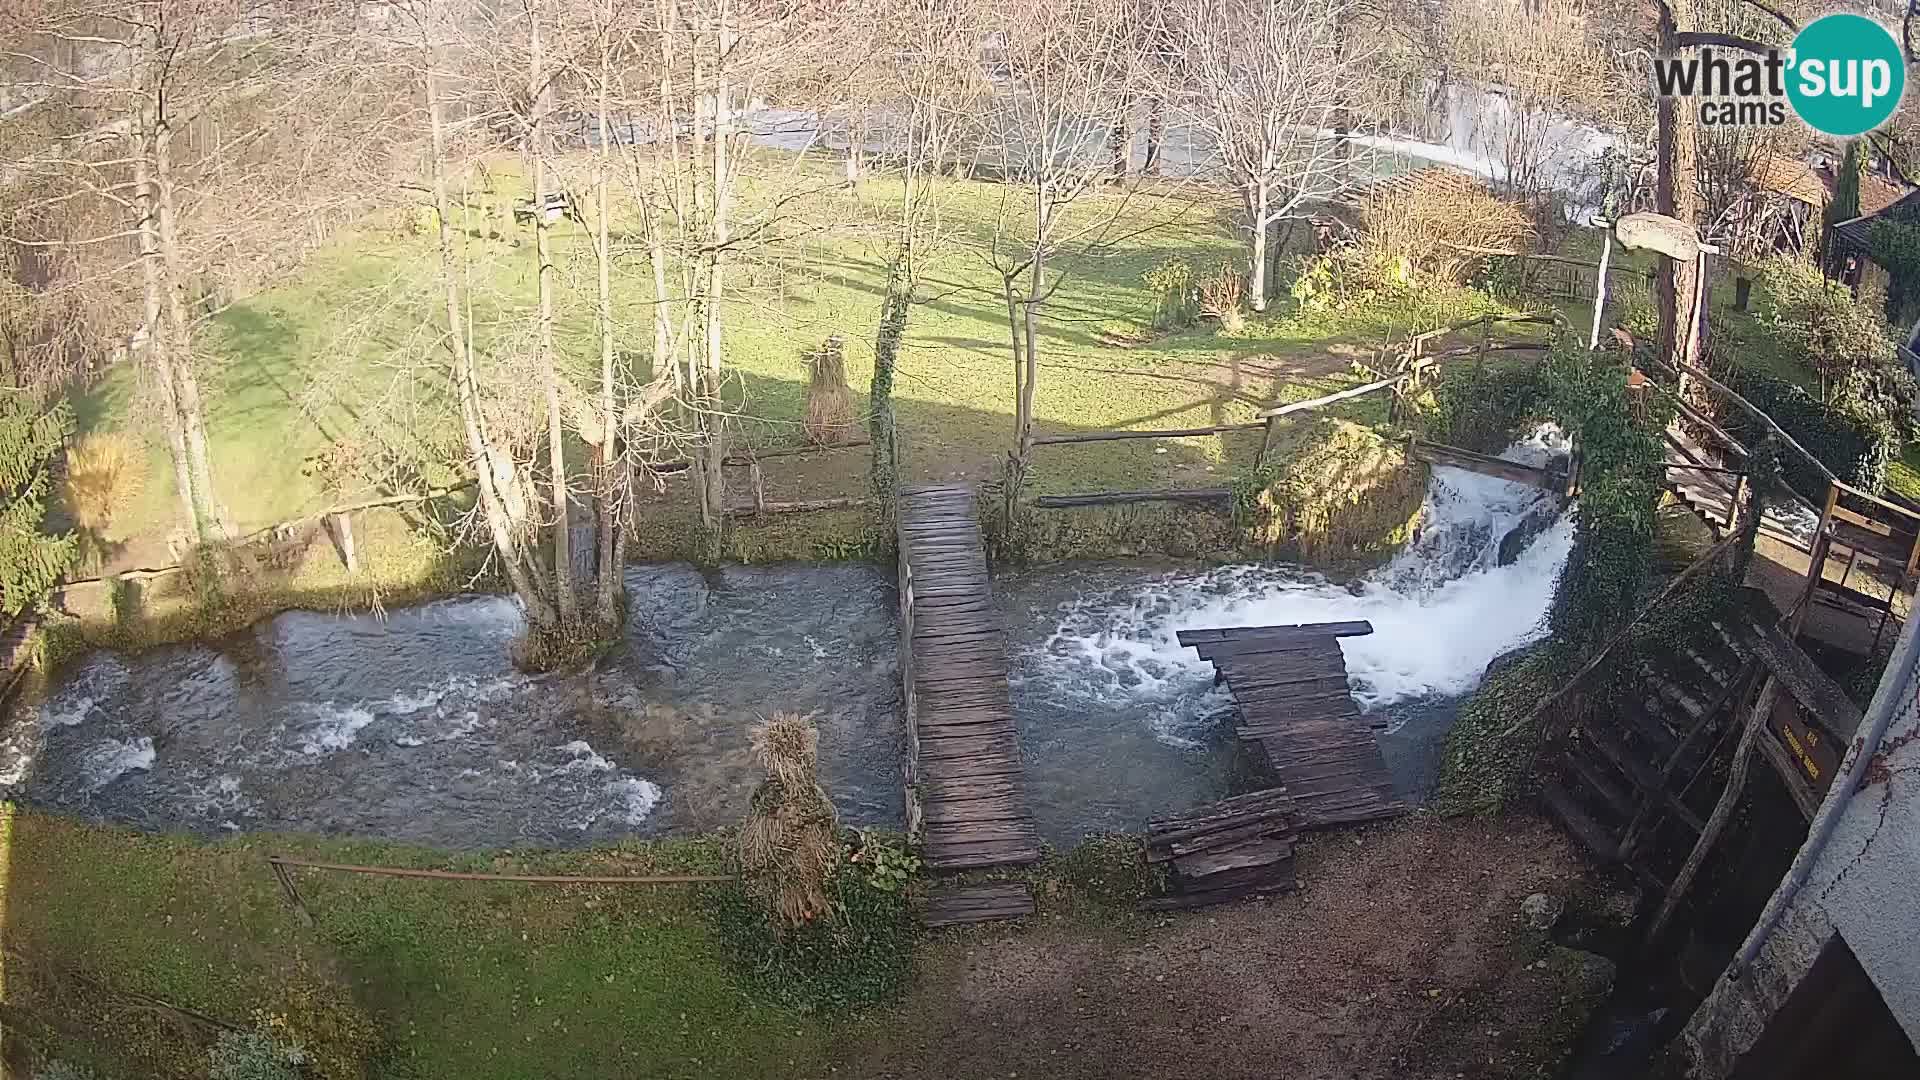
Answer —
1266 442
759 486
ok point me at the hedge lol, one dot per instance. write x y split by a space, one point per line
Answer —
1856 447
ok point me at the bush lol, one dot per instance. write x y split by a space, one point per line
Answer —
860 955
1844 435
60 1070
1833 333
1484 407
1432 221
1221 292
1175 305
254 1055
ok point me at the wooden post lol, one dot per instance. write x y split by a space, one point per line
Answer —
1266 441
340 528
1817 561
1600 290
1722 810
1486 342
759 486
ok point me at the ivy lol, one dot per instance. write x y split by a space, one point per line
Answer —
1620 484
1895 245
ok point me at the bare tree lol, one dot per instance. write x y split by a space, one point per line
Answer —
1069 71
180 170
1270 86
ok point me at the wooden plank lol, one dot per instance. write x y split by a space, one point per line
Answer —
1825 704
1113 498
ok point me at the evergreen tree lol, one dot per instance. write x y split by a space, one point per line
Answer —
1845 204
31 561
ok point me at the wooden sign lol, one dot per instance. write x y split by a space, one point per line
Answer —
1811 749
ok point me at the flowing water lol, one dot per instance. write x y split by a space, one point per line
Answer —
415 726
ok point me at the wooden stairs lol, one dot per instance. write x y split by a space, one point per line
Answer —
1619 780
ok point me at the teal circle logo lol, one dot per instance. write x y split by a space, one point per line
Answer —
1845 75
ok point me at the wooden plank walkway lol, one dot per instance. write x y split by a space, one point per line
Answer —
1710 494
966 797
1290 683
955 904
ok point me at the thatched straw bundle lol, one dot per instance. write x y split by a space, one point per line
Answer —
830 420
790 840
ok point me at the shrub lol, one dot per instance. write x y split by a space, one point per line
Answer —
1831 331
1434 219
105 472
789 845
1175 306
1221 292
1845 435
1482 407
830 414
60 1070
862 955
254 1055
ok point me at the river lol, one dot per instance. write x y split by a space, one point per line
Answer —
415 727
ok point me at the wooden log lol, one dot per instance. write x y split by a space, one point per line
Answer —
798 506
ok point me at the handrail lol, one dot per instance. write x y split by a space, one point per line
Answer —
1754 411
1905 512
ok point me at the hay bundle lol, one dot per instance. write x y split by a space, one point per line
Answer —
105 473
830 420
790 840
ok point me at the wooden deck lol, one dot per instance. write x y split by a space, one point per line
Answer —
1290 683
966 799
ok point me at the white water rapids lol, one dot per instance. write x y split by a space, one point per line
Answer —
1441 610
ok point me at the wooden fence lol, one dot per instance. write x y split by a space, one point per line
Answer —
1410 363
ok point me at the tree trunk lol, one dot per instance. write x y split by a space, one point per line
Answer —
492 469
1677 194
563 590
179 352
1156 133
611 474
714 477
1257 287
159 368
894 308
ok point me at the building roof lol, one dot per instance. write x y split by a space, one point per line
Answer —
1852 233
1796 180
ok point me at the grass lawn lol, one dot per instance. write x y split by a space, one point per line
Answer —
110 933
336 353
454 979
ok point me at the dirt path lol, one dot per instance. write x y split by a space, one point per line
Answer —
1405 955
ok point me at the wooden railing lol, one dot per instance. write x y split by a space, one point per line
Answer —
1411 363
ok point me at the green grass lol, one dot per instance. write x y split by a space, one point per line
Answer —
1903 473
454 979
345 349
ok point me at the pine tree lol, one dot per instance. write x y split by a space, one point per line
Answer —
31 561
1845 204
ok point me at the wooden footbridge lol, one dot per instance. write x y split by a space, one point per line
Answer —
966 800
965 790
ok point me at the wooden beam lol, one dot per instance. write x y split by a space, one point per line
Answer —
1110 436
1110 498
1532 475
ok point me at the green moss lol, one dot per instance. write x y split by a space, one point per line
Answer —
1334 493
1489 750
